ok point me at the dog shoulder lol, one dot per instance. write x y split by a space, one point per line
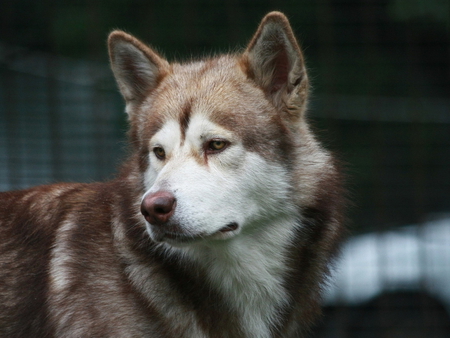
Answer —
32 222
43 207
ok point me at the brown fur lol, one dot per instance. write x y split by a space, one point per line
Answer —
76 260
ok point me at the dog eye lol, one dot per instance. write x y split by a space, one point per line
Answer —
159 153
216 145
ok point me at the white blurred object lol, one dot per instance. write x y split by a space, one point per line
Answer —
415 257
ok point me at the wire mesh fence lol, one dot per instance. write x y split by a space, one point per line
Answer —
57 122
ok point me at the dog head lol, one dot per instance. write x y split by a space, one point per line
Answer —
216 138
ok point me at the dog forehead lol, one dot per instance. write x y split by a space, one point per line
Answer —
200 128
208 86
217 92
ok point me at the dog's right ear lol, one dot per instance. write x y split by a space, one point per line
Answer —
136 67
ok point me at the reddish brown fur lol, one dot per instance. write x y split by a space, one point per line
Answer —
75 259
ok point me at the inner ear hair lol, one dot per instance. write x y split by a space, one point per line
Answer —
274 59
136 67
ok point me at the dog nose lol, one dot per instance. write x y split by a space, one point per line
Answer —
158 207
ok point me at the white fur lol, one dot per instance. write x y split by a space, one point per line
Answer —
169 138
59 272
248 270
61 275
236 185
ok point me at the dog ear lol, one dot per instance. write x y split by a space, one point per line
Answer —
274 61
136 67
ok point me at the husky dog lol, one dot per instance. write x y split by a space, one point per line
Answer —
222 222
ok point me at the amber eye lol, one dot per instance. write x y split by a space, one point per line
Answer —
217 145
159 153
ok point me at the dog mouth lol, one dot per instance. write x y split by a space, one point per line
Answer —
233 226
182 237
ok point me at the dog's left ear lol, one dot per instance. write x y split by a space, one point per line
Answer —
137 68
274 61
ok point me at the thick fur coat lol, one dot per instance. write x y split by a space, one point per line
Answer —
221 223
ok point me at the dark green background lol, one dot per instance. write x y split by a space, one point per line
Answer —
380 73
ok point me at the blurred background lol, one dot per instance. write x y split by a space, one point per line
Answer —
380 73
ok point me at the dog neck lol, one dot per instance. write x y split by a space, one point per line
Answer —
245 274
249 271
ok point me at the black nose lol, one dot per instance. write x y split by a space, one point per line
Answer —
158 207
